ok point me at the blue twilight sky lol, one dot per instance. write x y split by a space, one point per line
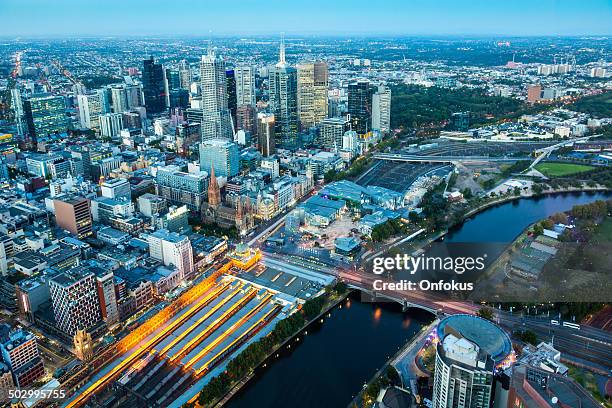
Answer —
226 17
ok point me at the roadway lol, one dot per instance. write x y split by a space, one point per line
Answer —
587 343
546 151
444 159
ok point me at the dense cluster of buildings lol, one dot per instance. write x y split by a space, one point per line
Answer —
106 191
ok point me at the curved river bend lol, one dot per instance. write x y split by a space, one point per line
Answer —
329 366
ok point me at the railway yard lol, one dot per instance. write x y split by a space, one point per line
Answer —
233 307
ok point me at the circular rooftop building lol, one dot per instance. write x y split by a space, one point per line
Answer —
485 334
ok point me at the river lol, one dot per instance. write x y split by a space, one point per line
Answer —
327 367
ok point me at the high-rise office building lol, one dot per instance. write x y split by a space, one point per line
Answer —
91 106
111 124
172 248
20 352
134 95
153 86
185 75
74 215
74 298
105 285
266 134
467 353
246 119
222 154
381 109
45 115
245 86
176 96
230 79
283 100
119 99
216 118
312 93
360 94
331 131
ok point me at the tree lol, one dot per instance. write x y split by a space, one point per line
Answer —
485 313
467 193
538 230
527 336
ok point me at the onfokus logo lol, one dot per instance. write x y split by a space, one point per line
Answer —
412 264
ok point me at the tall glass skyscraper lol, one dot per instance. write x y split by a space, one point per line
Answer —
220 154
312 93
216 122
45 114
245 86
153 86
283 100
360 95
232 104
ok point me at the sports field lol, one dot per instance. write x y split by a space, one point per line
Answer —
550 169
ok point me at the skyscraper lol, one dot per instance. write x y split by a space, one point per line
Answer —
230 79
106 295
312 93
246 119
91 106
134 95
467 353
176 96
331 131
220 154
185 75
153 86
45 114
360 94
265 134
245 86
111 124
216 122
119 99
283 100
381 109
74 297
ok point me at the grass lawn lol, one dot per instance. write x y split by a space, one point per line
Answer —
603 232
551 169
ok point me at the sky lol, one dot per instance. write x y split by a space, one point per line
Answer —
70 18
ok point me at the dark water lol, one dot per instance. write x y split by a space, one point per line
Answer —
333 361
328 367
505 222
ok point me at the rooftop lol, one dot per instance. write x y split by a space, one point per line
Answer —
483 333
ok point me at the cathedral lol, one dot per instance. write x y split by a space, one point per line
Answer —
238 214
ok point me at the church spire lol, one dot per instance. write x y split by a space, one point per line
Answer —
214 193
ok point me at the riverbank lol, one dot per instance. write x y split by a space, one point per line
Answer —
530 194
402 362
333 300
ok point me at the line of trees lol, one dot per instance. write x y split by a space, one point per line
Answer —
257 351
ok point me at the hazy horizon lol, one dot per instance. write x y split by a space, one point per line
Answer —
155 18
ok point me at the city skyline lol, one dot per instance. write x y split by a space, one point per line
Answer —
67 18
